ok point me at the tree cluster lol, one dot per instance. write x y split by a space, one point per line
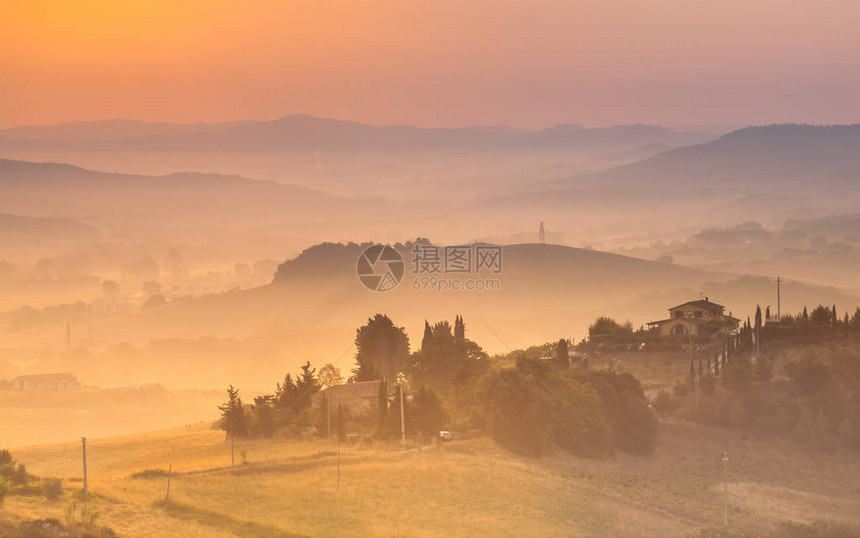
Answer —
288 405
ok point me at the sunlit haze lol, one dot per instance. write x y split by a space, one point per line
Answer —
416 269
432 64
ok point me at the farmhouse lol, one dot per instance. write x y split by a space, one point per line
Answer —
696 318
359 397
46 382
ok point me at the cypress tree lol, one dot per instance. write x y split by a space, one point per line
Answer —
758 328
459 330
562 358
428 337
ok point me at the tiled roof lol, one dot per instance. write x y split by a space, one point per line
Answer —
702 303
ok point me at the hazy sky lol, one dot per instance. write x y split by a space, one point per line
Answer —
432 63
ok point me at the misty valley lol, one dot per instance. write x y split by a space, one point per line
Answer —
419 269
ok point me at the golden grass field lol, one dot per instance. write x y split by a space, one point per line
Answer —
36 417
464 488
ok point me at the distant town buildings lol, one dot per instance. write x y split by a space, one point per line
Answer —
699 318
46 382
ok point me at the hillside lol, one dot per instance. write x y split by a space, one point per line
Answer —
181 199
767 174
289 149
313 307
785 155
295 131
465 488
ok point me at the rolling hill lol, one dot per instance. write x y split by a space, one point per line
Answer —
315 303
785 155
54 190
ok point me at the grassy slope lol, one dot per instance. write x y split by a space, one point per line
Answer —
465 488
36 417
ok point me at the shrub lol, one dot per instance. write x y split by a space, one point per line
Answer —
636 426
817 529
150 473
427 412
15 474
579 422
708 385
52 488
664 402
808 375
737 374
515 408
719 532
763 369
680 390
5 488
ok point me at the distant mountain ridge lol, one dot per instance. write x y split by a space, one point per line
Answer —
773 153
62 190
295 131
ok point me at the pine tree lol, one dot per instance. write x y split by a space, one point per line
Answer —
285 394
233 414
805 314
305 387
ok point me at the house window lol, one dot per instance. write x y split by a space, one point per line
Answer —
699 313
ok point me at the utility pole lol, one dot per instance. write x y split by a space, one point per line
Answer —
84 448
338 451
542 235
695 372
169 472
778 311
726 494
328 419
402 418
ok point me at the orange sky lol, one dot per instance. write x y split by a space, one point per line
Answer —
432 63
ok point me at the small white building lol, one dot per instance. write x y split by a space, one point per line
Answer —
46 382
